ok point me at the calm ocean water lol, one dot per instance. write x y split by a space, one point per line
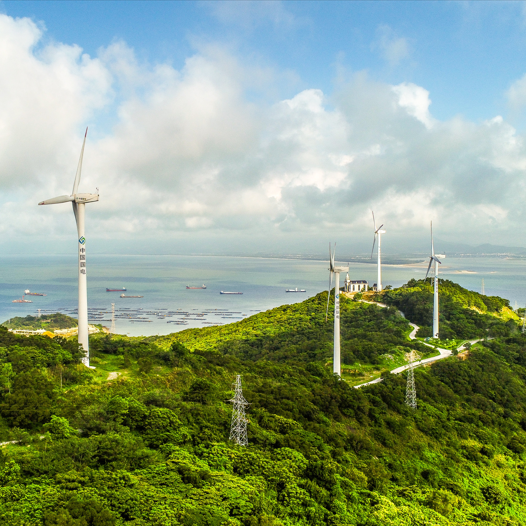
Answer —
162 281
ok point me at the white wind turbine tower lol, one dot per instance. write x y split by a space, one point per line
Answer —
336 271
79 201
434 258
378 233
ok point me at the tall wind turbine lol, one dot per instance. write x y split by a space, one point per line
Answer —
434 258
378 234
333 269
79 201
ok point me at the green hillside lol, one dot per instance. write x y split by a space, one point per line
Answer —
463 313
49 322
151 447
373 339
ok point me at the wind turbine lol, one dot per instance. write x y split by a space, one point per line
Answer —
333 269
378 233
434 258
79 201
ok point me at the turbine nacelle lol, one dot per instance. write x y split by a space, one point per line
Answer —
86 198
79 198
377 232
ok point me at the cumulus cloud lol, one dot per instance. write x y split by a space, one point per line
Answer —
191 152
45 95
391 47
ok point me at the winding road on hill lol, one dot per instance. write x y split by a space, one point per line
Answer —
444 353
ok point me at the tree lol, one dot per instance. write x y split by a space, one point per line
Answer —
30 402
59 427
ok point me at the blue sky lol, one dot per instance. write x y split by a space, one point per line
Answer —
322 109
465 53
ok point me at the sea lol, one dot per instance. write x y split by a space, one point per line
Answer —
167 306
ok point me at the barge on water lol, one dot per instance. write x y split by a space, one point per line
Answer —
124 296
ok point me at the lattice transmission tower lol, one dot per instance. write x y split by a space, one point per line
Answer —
238 427
410 392
112 330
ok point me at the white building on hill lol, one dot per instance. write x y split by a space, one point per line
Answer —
358 285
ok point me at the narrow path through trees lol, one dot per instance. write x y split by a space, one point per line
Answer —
444 353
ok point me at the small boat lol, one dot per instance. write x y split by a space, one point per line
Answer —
230 292
22 300
124 296
296 290
116 290
28 293
195 288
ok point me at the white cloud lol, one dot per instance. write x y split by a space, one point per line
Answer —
44 96
415 100
191 153
391 47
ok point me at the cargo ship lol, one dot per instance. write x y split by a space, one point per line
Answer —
296 290
116 290
28 293
230 292
124 296
22 300
193 288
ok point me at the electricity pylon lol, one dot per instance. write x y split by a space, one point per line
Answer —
238 427
112 330
410 392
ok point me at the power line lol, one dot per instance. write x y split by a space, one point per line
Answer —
238 427
410 392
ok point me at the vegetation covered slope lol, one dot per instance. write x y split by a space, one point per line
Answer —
49 322
152 448
463 313
301 333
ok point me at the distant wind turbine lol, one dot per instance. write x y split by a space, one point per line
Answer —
336 364
378 233
434 258
78 201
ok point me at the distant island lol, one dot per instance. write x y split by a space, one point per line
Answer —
48 322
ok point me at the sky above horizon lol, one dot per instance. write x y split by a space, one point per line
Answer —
263 127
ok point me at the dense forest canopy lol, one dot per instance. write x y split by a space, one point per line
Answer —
463 313
151 447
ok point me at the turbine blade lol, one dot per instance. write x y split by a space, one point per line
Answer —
380 227
57 200
428 267
75 206
374 222
432 244
79 167
328 296
333 256
374 241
